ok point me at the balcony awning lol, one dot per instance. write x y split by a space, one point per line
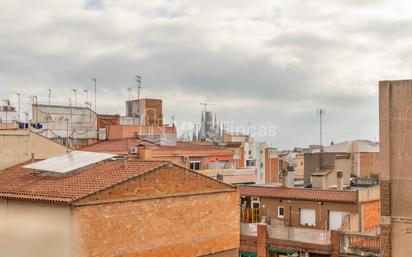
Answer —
248 254
274 250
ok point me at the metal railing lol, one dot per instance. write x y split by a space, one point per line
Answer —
250 215
248 229
304 235
353 243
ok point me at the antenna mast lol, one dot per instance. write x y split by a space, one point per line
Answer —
321 112
139 81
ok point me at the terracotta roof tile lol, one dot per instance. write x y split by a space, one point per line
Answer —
122 146
304 194
21 183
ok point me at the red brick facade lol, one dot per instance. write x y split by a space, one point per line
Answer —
370 164
371 215
166 212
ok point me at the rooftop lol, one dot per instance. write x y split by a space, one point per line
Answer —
122 146
57 109
303 194
22 183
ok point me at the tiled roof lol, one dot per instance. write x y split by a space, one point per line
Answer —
303 194
122 146
21 183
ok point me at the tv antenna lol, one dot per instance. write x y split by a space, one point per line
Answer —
139 83
321 112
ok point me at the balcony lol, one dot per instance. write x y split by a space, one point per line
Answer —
359 244
287 239
310 236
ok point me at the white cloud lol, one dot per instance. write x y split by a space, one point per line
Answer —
266 61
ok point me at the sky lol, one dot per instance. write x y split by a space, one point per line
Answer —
260 64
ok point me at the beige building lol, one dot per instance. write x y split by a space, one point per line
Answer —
17 146
396 162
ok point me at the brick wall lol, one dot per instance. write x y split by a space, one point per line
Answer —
272 168
177 226
369 164
371 215
171 214
161 182
153 112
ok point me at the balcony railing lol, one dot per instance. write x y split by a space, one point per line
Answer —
352 243
248 229
250 215
304 235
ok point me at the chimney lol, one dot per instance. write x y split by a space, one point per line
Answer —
219 176
284 178
144 153
339 180
291 176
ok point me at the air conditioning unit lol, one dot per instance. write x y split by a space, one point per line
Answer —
134 150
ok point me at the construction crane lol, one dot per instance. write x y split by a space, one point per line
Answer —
205 104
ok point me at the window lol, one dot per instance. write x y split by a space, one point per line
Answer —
336 219
250 163
281 212
308 217
195 165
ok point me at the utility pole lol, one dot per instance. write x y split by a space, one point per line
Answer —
49 95
95 95
75 97
18 99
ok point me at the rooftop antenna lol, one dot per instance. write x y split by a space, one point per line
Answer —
49 94
27 116
139 82
321 112
129 89
75 96
95 95
87 96
18 98
34 100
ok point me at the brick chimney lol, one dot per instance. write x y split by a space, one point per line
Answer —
144 153
339 180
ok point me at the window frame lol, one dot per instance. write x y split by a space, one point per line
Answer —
194 162
283 210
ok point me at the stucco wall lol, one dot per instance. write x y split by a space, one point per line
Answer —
17 146
34 230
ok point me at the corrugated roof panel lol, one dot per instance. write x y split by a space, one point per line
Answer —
64 110
69 162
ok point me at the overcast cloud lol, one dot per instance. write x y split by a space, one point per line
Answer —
270 63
